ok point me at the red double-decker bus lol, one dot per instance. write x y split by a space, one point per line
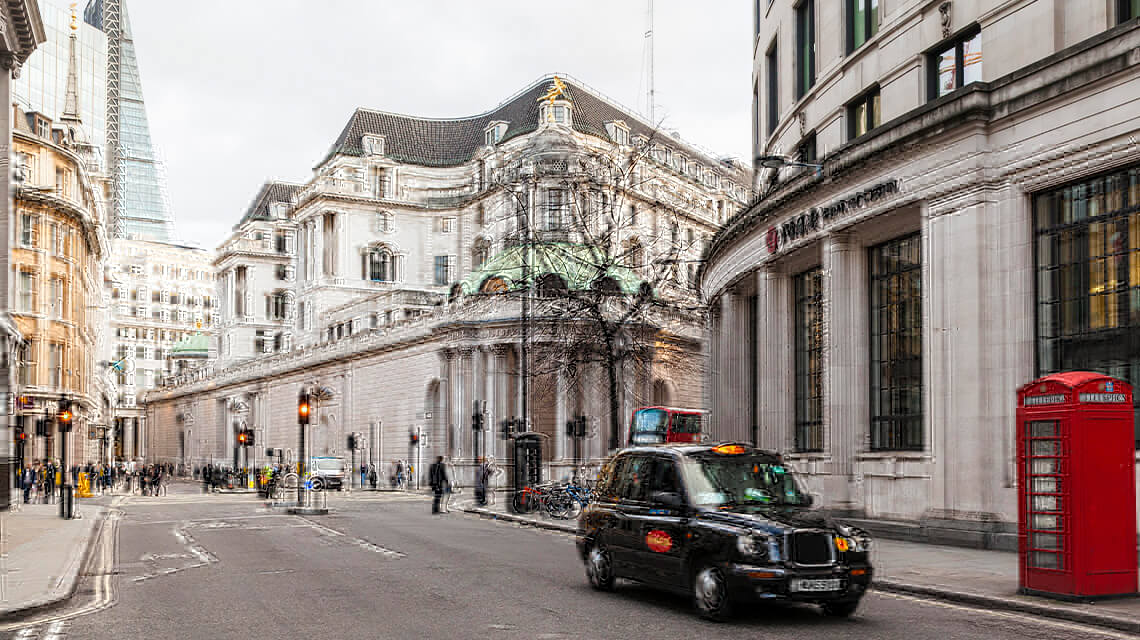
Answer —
658 425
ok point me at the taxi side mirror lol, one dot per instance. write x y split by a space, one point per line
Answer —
667 498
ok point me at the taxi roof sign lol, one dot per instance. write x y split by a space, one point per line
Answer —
728 449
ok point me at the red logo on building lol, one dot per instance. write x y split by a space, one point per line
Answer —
773 239
658 541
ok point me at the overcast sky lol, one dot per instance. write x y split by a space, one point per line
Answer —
242 91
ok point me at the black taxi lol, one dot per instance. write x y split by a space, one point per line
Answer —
726 523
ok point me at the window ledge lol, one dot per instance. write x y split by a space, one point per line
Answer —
915 456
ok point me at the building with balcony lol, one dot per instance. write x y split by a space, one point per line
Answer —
158 294
415 243
973 225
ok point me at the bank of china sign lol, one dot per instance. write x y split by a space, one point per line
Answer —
781 235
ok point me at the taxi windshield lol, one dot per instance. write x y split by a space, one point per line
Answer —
743 480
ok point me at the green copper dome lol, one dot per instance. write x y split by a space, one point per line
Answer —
581 267
197 344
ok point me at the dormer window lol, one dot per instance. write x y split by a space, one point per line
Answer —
618 132
663 154
558 113
373 145
494 133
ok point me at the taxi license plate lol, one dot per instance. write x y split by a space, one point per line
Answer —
830 584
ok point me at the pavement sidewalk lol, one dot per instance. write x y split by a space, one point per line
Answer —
977 577
41 555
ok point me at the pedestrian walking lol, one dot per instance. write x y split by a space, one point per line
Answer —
437 478
399 474
373 477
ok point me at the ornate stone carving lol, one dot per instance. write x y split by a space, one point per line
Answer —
944 10
801 117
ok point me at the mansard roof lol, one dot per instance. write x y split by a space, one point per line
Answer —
454 141
271 192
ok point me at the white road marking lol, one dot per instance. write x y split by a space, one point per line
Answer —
26 633
1022 617
55 630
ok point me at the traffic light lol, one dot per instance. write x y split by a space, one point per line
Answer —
241 438
304 407
65 416
477 421
415 439
354 442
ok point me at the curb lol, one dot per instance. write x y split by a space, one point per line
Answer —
895 586
1010 604
81 558
508 517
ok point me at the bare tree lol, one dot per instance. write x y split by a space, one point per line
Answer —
606 272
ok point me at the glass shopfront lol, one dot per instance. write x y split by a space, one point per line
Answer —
896 345
809 360
1088 276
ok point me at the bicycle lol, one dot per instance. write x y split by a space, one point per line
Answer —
531 498
568 501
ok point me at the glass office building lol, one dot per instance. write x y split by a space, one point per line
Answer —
139 200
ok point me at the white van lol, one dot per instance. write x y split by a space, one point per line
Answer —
327 473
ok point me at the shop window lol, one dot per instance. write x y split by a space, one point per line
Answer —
805 47
1087 242
809 360
896 345
955 65
863 114
862 22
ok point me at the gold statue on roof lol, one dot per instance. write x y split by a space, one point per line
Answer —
74 16
556 90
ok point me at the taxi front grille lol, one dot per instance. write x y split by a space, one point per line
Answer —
812 548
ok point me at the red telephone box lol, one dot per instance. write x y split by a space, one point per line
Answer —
1077 486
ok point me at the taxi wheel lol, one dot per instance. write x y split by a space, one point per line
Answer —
710 594
840 609
600 568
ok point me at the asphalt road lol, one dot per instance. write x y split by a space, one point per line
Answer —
381 566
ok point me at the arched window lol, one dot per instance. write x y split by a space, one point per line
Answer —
550 284
379 265
480 253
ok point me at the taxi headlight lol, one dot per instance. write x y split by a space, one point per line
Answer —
753 545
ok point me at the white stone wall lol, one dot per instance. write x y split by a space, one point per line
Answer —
967 188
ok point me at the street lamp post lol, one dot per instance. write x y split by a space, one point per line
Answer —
779 162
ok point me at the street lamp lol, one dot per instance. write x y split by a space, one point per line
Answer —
779 162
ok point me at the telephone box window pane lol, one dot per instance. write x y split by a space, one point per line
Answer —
1045 466
1046 522
1043 429
1045 448
1047 485
1045 560
1046 541
1046 503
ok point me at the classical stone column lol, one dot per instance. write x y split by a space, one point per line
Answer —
775 366
504 407
560 416
447 402
845 381
466 399
489 370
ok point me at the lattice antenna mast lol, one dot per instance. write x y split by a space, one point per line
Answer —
112 27
649 36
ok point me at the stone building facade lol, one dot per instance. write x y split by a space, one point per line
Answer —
396 218
158 294
60 246
973 226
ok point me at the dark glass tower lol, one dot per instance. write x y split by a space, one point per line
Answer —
139 204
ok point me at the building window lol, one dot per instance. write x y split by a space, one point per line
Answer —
805 47
1087 239
896 345
274 306
773 69
29 231
1127 10
26 292
384 222
279 244
805 151
379 265
282 272
561 114
444 270
381 182
57 299
955 65
557 205
55 364
862 22
447 225
809 360
863 114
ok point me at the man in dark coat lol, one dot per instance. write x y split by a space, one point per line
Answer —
437 478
